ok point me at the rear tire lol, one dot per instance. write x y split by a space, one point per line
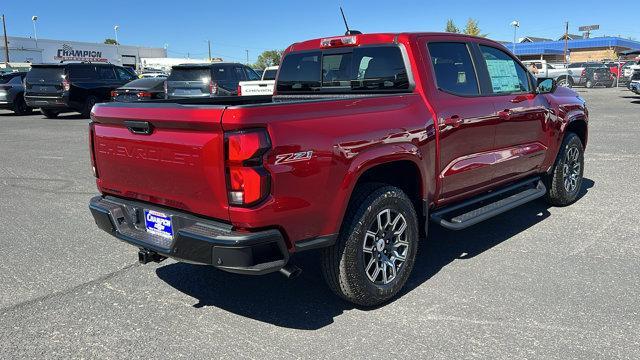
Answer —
88 105
565 180
565 82
380 229
49 114
20 106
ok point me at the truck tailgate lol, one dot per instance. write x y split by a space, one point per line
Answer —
179 163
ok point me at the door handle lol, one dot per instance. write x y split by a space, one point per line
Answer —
504 114
139 127
453 121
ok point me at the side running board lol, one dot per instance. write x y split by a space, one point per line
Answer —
483 207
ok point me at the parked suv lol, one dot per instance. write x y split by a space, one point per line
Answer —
12 93
207 80
57 88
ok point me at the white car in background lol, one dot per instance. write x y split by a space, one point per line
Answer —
263 86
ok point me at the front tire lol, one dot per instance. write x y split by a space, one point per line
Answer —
565 180
20 106
376 249
589 84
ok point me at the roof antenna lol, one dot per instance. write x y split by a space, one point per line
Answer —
348 32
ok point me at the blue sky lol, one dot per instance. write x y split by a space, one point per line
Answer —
233 26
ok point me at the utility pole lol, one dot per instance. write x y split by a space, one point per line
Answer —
566 40
6 42
247 56
209 44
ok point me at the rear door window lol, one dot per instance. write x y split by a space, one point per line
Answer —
507 76
106 73
82 72
453 68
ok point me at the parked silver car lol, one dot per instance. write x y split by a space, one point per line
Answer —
12 93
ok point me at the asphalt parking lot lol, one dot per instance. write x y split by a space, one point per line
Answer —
537 282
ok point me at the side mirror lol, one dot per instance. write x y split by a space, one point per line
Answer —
546 86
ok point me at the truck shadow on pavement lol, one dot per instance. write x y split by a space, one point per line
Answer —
306 303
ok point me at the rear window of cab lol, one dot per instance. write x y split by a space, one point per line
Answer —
361 69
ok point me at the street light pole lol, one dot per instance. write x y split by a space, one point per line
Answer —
115 30
34 18
209 45
516 25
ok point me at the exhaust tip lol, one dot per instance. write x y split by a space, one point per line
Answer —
291 271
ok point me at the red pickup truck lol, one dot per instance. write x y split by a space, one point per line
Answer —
367 139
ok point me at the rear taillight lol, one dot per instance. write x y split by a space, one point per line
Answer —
166 92
213 87
92 149
66 86
114 94
248 182
239 90
584 72
144 94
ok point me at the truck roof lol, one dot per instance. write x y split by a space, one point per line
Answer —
382 38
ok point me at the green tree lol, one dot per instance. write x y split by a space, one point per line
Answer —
268 58
110 41
451 27
472 28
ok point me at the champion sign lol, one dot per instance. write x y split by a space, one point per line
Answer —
68 53
158 223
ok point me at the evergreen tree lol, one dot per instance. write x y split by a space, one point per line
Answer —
451 27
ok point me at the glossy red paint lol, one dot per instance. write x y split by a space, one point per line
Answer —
460 146
474 161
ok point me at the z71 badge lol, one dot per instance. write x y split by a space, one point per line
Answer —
293 157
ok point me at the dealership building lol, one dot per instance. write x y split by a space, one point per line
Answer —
23 50
578 48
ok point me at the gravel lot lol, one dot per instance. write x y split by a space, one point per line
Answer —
537 282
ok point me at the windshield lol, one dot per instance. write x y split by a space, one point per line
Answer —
363 69
46 73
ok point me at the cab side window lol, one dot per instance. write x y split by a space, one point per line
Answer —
453 68
507 76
